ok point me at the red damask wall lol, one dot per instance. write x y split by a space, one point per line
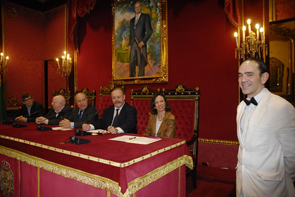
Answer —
31 38
201 54
285 9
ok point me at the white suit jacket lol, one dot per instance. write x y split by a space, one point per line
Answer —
266 157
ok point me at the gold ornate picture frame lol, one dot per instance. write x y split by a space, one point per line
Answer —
154 52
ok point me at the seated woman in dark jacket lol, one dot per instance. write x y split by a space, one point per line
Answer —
161 121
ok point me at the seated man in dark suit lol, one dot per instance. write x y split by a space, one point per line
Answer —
118 118
59 111
30 109
83 113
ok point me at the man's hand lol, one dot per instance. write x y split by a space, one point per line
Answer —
86 127
20 119
40 120
112 130
65 123
129 49
140 44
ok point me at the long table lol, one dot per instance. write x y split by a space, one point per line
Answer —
42 165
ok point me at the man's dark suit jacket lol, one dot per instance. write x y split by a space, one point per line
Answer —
88 115
127 119
36 107
143 29
65 113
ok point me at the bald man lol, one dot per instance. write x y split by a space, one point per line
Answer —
83 113
58 112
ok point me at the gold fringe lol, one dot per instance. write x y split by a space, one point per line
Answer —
96 159
215 141
96 180
158 173
78 175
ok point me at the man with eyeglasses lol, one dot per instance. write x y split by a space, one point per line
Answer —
30 109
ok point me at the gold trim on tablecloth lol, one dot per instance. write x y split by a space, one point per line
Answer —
158 173
96 180
95 159
216 141
78 175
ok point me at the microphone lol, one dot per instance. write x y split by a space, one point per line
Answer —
26 116
75 140
84 133
8 119
16 125
41 128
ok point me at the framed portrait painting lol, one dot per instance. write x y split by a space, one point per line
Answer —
140 42
281 58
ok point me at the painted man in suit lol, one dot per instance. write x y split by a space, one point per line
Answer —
58 112
84 112
140 29
30 109
118 118
266 132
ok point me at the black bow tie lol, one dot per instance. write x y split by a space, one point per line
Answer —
253 101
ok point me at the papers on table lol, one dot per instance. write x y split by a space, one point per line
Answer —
98 131
61 128
135 139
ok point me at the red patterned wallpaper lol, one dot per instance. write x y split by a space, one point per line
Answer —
285 9
31 38
201 54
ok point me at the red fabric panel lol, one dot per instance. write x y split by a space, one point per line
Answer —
12 169
52 184
183 111
29 180
166 186
105 102
143 110
218 155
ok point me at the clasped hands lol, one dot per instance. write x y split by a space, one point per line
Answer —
111 129
65 123
20 119
41 120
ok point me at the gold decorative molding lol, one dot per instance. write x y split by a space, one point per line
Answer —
11 12
13 101
216 141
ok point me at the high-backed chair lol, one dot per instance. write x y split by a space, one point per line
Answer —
141 100
105 99
184 104
63 92
91 95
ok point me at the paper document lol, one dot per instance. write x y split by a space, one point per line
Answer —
135 139
61 128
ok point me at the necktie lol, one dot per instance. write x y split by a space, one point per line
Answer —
116 117
80 115
253 101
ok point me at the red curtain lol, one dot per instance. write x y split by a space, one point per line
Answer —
231 9
80 7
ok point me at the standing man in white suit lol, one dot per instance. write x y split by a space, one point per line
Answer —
266 132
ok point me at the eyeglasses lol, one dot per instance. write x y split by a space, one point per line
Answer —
27 99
